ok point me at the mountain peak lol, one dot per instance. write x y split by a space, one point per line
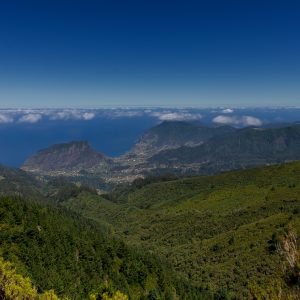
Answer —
172 135
70 144
71 156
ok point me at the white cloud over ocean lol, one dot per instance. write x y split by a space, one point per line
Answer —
160 114
30 118
176 116
227 111
73 114
36 115
237 120
6 118
88 116
226 115
123 113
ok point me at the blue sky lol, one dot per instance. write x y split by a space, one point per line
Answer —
172 53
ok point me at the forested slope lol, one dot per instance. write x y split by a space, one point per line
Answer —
62 251
222 232
232 235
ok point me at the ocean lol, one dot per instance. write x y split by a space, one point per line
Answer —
112 132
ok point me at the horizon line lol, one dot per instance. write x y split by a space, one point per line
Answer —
125 107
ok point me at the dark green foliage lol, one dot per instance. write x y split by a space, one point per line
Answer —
18 182
141 182
61 189
274 242
14 286
220 231
120 192
82 179
223 235
62 251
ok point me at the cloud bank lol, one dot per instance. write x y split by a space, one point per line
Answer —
176 116
123 113
30 118
227 111
88 116
160 114
237 120
4 118
35 115
72 114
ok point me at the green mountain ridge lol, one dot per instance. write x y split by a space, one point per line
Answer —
216 231
172 147
18 182
204 237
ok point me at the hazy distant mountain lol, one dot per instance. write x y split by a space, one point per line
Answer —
177 147
241 148
73 156
78 156
175 134
114 131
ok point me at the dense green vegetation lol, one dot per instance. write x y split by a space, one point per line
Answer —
15 286
221 232
62 251
228 236
18 182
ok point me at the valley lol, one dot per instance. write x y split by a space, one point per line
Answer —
212 237
217 231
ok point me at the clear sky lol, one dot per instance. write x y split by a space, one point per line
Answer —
181 53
